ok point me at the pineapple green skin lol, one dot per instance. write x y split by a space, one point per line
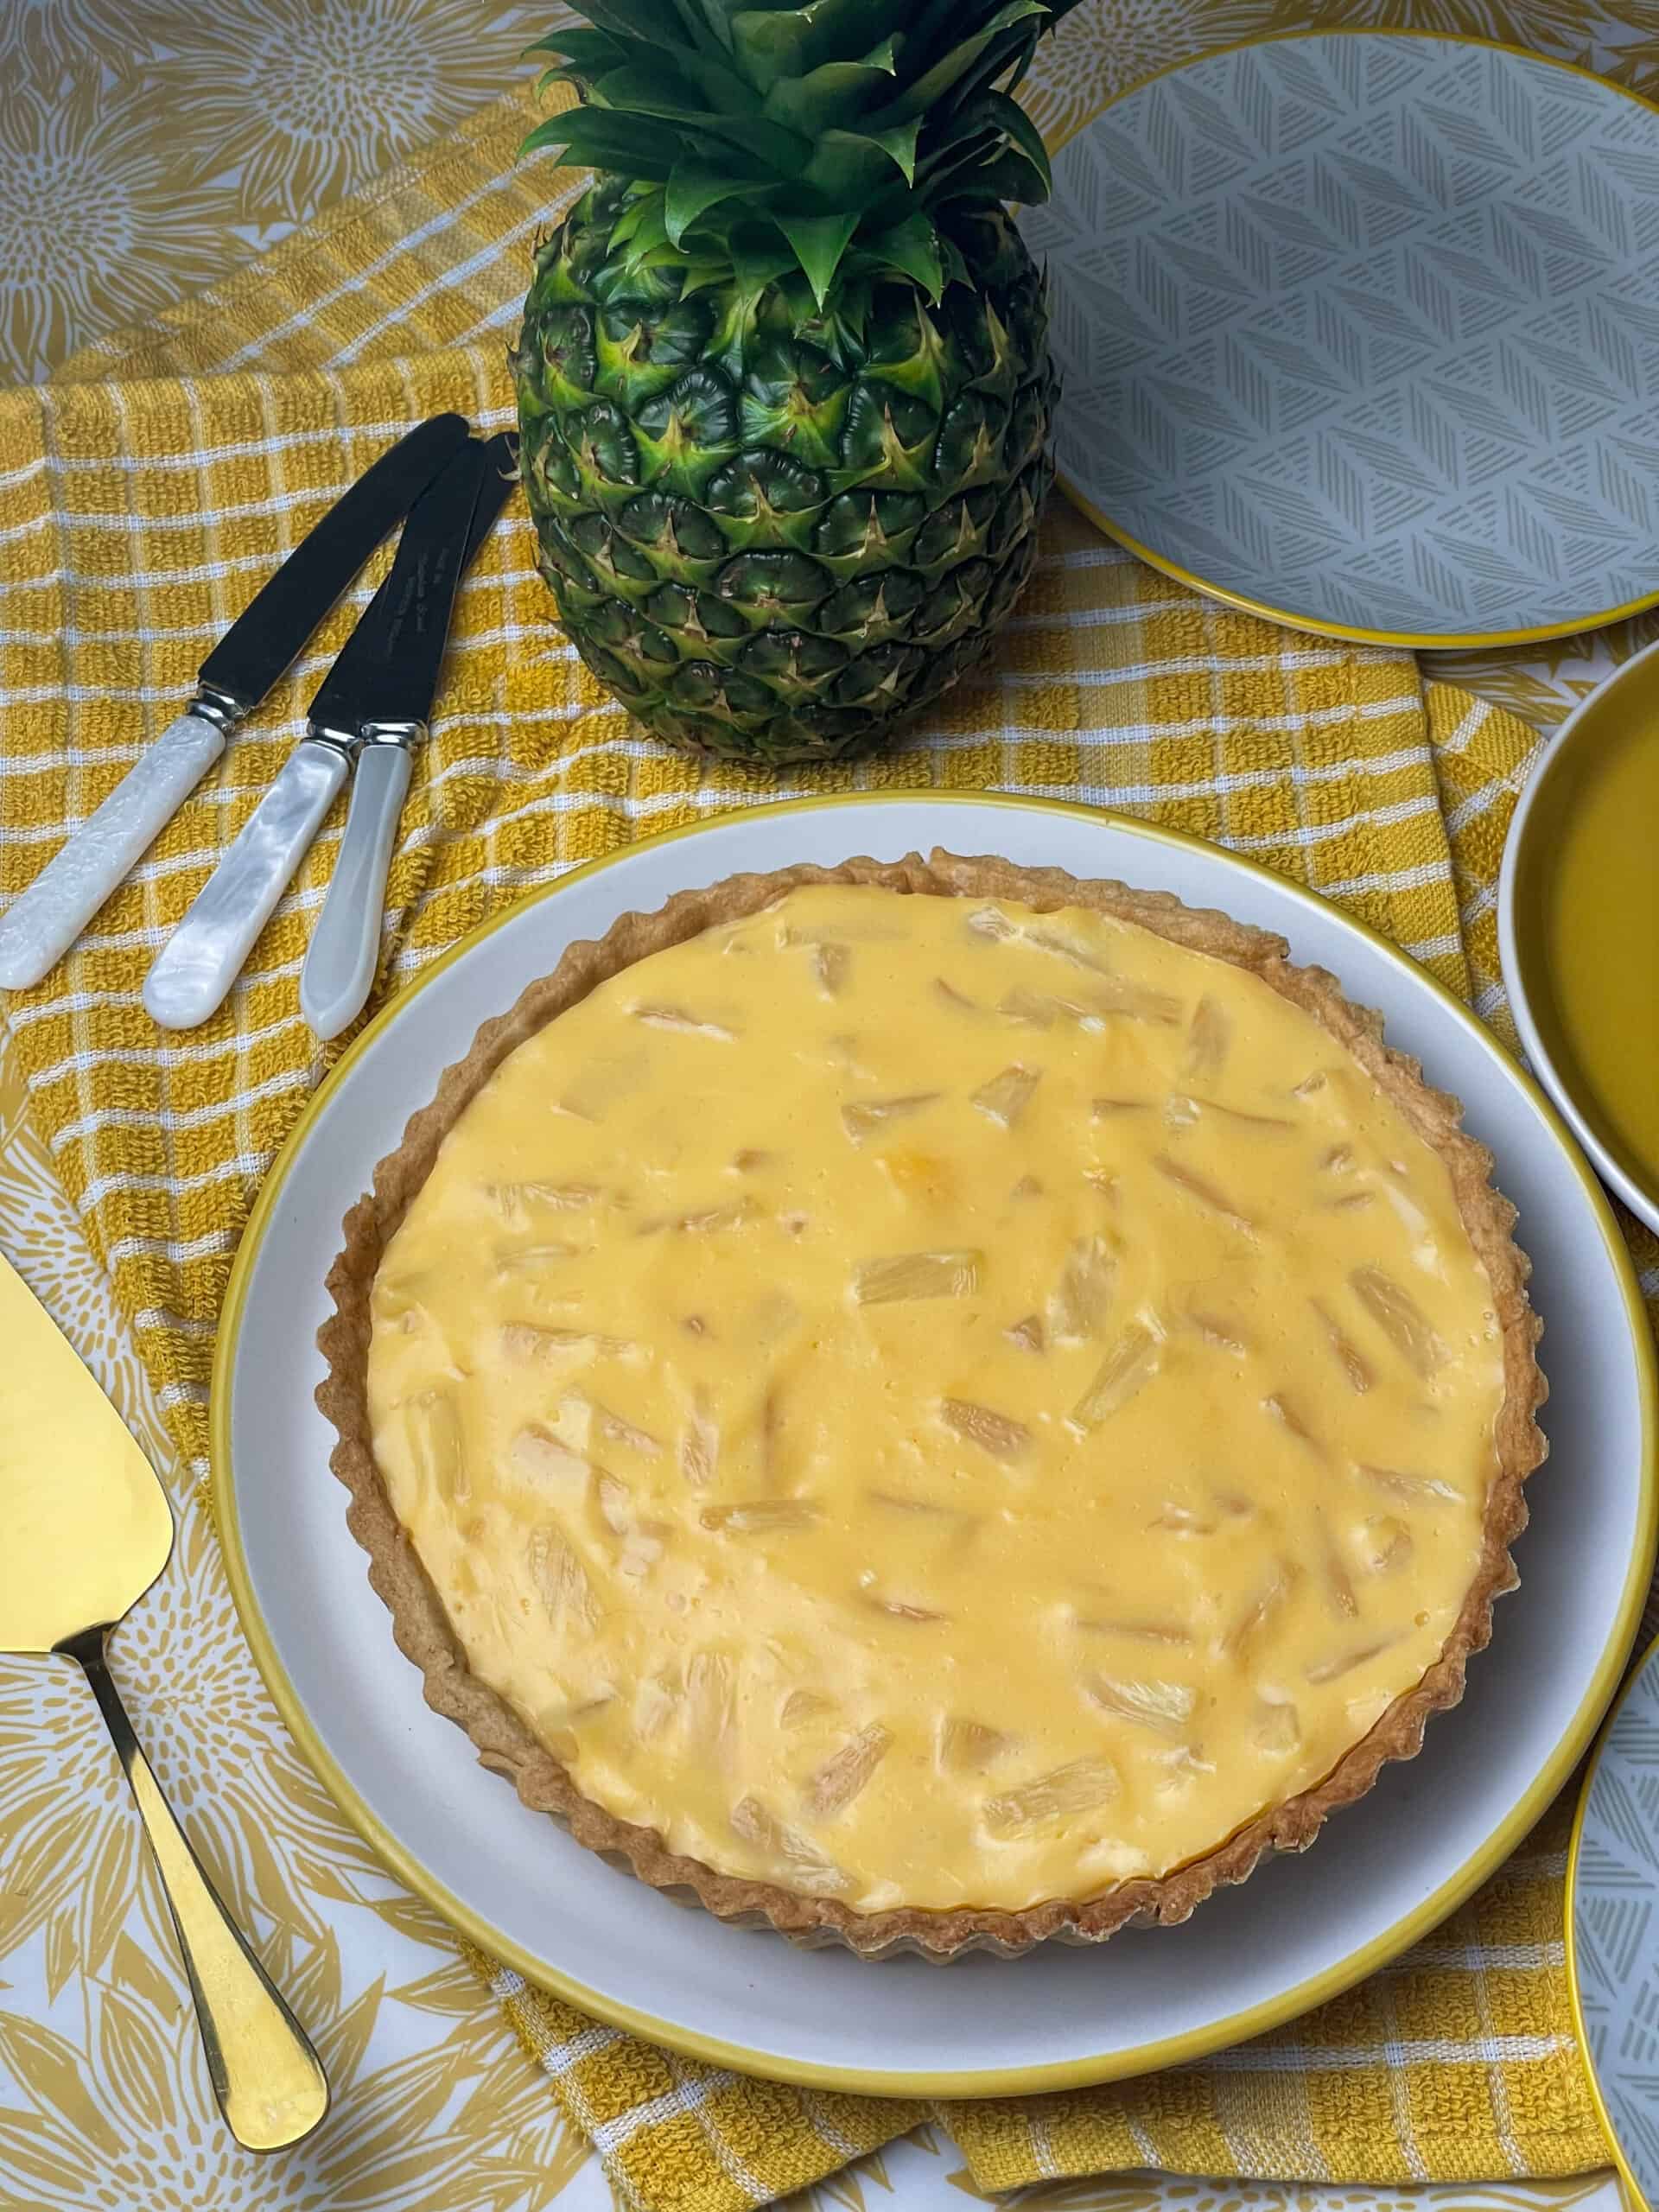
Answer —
776 532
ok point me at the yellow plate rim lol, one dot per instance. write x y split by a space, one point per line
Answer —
1531 821
1649 1657
1089 2070
1430 641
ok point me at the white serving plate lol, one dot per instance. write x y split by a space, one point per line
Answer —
1298 1932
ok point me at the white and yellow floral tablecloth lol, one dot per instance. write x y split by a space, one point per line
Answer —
147 147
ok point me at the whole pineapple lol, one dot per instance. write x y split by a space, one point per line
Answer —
783 380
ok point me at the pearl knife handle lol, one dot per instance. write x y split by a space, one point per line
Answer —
344 949
193 973
45 920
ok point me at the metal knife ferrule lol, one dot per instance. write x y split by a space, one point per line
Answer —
343 740
408 735
210 704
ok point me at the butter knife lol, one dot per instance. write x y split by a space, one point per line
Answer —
193 973
377 690
260 645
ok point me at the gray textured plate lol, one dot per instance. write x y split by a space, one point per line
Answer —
1361 330
1613 1907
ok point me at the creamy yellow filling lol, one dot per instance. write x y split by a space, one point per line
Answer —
929 1403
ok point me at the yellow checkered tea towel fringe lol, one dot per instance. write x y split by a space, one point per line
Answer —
142 500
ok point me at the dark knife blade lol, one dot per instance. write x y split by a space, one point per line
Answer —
500 474
387 671
269 633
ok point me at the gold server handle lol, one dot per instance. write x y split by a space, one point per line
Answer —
271 2086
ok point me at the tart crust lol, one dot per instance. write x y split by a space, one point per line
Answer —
504 1742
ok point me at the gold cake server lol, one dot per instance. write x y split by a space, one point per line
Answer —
87 1529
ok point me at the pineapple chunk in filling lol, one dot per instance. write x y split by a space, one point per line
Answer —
936 1426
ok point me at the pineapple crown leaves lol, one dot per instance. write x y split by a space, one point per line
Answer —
833 137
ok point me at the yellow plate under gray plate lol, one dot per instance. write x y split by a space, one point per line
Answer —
1355 330
1298 1932
1579 927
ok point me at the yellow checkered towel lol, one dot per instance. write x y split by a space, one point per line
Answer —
142 500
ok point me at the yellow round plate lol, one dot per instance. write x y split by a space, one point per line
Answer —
1579 927
1612 1928
1353 332
1301 1930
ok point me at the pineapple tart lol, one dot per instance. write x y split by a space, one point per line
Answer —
936 1405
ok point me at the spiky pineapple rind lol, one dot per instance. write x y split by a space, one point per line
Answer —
775 532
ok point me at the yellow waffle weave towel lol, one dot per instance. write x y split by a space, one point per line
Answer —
142 500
